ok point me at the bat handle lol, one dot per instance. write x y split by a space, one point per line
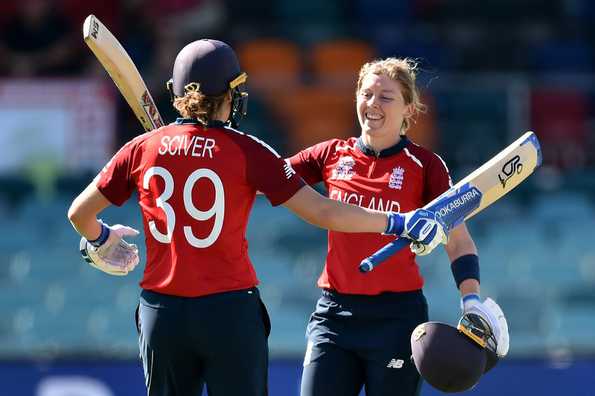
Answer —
382 254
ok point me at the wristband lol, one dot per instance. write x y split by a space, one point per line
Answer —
465 267
395 224
103 235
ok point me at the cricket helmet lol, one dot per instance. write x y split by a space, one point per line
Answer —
211 67
447 357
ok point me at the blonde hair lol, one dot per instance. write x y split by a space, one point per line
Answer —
404 71
195 104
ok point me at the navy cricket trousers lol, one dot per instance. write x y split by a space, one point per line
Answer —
357 341
219 340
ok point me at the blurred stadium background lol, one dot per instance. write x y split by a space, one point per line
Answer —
490 70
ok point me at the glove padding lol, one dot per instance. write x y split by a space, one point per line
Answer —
115 256
422 226
496 336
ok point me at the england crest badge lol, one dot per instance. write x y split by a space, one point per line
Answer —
344 169
396 178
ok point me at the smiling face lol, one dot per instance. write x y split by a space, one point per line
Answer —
381 110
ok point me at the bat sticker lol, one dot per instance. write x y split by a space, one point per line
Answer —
510 168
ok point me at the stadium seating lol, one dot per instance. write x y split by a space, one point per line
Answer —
312 114
336 63
542 276
307 22
273 65
563 55
560 117
423 130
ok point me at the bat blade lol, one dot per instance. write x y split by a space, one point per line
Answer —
119 66
504 172
475 192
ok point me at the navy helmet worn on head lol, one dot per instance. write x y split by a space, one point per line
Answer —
211 67
446 358
212 64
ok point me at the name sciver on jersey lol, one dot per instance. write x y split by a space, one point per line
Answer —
195 146
364 201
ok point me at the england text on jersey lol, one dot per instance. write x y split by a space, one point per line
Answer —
364 200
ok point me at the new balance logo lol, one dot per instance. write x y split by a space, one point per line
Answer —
395 363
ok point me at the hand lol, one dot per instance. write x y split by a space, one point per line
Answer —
422 226
111 254
492 314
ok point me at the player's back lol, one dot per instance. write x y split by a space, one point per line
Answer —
196 188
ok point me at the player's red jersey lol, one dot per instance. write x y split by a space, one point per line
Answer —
196 187
401 178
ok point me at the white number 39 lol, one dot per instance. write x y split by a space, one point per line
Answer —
217 210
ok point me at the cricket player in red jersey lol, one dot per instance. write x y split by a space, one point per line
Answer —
200 317
359 334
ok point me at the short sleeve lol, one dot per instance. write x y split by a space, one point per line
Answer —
437 179
309 163
114 180
270 174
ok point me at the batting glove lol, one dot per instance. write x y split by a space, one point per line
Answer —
492 314
422 226
110 253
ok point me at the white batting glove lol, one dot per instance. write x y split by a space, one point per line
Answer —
493 315
426 230
421 250
112 255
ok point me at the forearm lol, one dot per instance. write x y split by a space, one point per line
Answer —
469 286
337 216
334 215
459 243
462 253
83 212
89 227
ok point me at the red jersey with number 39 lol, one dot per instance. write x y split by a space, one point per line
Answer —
196 187
401 178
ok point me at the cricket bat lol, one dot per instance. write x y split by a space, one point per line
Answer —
477 191
123 72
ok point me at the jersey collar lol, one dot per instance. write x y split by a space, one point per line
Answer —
384 153
194 121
